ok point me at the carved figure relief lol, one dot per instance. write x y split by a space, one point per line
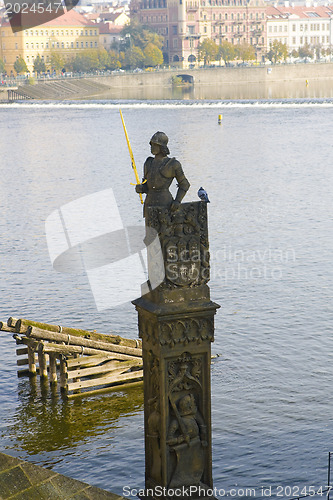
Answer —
187 432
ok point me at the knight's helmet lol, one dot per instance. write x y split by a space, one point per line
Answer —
161 139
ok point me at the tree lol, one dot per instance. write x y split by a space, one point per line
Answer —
2 66
277 51
305 51
20 65
245 52
207 51
113 60
57 61
140 35
39 65
133 58
227 52
152 55
87 61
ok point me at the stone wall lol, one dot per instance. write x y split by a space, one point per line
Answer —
220 75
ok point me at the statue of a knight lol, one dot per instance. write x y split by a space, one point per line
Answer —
158 173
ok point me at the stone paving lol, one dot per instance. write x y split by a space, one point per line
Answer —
20 480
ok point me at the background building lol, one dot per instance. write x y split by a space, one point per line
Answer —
185 23
67 35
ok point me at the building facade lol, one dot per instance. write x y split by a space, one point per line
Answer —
185 23
300 25
67 35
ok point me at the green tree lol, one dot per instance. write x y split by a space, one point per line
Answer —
2 66
113 60
207 51
57 61
133 58
39 65
227 52
20 66
103 58
294 53
277 51
140 35
153 55
305 51
86 61
245 52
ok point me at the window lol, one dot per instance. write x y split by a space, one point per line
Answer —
96 44
32 45
294 40
269 29
81 44
205 29
294 27
46 33
87 44
77 45
27 58
72 45
175 43
16 46
174 30
301 40
91 44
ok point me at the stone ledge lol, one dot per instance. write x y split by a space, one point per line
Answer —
20 480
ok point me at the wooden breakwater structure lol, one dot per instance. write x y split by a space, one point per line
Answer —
78 361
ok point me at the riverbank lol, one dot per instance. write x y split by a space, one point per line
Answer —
252 82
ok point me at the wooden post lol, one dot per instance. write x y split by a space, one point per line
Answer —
32 361
42 362
53 368
63 373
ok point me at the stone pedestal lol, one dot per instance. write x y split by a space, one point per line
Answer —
176 324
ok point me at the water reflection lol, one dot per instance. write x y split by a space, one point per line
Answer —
45 421
226 91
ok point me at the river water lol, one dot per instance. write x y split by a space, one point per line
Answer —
268 171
